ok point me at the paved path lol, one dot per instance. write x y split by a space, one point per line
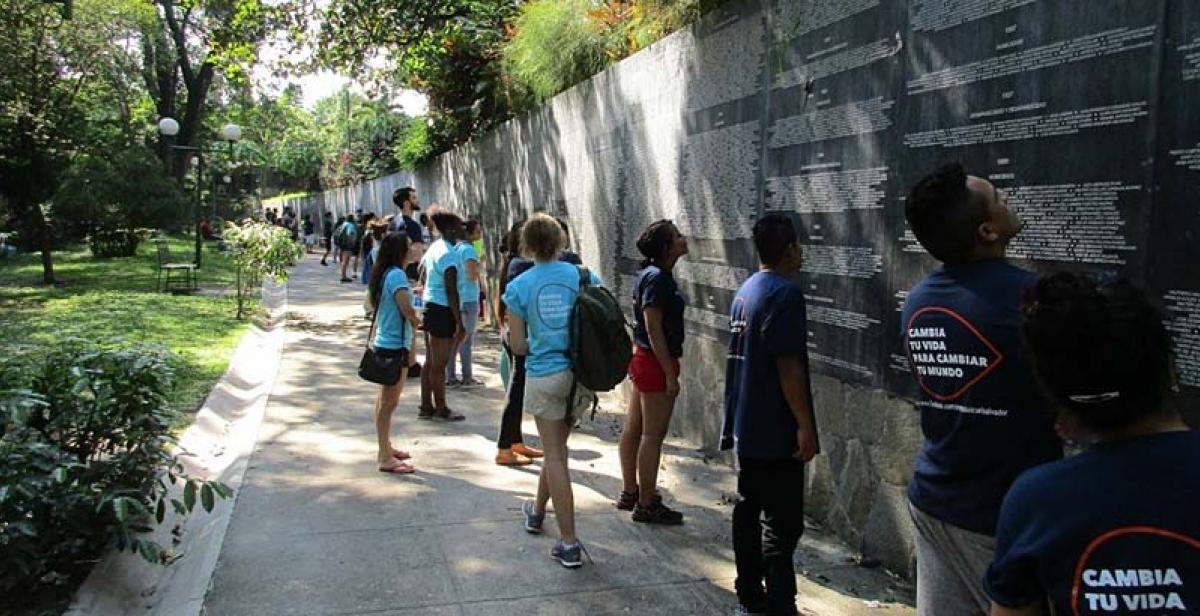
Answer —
316 530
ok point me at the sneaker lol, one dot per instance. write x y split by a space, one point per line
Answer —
569 556
657 513
453 383
427 413
468 383
533 522
347 280
448 415
324 263
746 611
627 500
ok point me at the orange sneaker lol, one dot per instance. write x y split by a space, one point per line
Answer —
527 451
507 457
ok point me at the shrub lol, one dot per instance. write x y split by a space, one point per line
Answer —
259 249
85 458
556 45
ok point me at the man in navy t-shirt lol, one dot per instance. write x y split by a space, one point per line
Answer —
982 417
769 420
406 199
1115 529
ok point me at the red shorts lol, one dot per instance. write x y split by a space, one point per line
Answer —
646 373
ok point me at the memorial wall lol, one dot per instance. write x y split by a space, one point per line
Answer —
1087 112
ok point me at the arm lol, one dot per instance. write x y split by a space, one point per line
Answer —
404 303
501 308
793 378
473 270
658 344
516 335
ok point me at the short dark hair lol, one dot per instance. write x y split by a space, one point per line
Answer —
472 225
400 195
944 213
773 233
1099 350
444 220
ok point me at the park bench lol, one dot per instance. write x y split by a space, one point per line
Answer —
165 265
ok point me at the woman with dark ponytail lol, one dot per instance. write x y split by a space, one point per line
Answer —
1117 527
654 370
395 321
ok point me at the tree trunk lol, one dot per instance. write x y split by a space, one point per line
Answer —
44 244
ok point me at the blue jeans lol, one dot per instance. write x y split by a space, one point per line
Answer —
470 317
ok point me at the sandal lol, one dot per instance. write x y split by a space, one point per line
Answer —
401 455
400 468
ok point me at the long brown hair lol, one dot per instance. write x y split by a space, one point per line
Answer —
392 253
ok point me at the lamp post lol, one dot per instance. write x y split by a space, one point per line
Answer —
230 133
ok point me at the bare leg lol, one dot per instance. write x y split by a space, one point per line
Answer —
385 406
543 493
554 433
656 417
628 445
439 355
427 373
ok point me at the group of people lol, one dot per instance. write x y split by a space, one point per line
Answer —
1008 366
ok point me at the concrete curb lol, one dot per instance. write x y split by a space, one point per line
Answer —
217 445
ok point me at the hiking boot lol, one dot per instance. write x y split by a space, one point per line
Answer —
507 457
446 414
527 451
426 413
627 500
657 513
569 556
533 522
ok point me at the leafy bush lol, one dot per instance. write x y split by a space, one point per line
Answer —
556 45
260 249
417 146
85 459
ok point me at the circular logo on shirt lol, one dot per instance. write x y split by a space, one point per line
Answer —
553 305
1138 570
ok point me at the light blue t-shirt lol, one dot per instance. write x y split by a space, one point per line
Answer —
468 290
437 260
543 297
392 330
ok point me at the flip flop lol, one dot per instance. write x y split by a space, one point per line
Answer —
401 455
398 469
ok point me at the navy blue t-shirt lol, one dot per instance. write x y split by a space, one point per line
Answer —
657 288
1115 529
983 418
767 320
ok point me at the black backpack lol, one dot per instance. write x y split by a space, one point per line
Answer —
600 347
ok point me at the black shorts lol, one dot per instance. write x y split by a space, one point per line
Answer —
439 321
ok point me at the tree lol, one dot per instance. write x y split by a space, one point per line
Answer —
445 49
50 63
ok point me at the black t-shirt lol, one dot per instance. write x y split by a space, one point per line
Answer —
308 227
1113 530
658 288
327 228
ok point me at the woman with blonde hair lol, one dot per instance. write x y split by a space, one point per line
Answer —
539 304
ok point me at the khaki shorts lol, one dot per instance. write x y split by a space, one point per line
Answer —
546 396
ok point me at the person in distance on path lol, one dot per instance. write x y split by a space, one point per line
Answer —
1115 529
654 371
349 240
769 421
539 311
982 417
394 327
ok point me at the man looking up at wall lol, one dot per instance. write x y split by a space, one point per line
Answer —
406 199
981 414
769 421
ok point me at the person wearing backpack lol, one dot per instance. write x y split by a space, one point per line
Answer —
540 305
654 370
348 240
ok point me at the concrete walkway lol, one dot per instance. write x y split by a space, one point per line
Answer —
317 530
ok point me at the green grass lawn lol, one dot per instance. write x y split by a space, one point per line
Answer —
107 299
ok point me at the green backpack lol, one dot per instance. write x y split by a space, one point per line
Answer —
600 347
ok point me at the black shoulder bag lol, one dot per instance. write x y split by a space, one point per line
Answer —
382 369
